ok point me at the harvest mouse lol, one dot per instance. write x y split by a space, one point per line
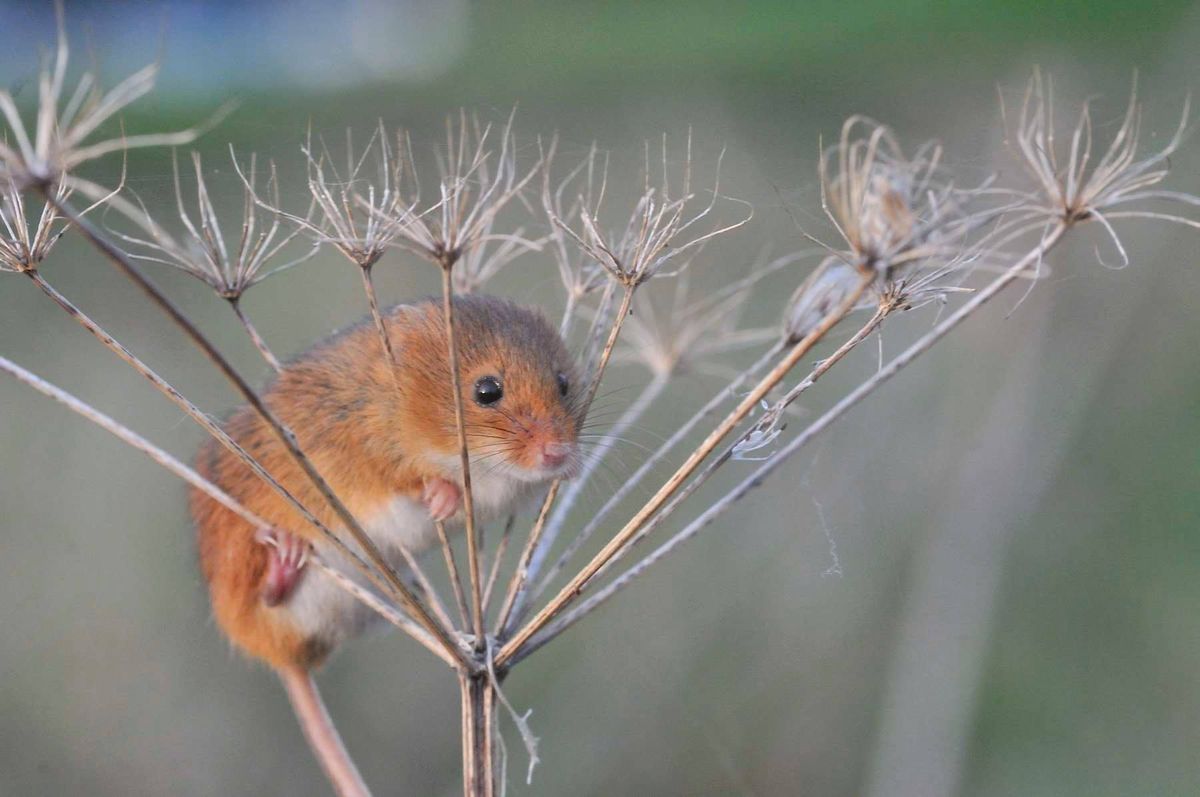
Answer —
384 437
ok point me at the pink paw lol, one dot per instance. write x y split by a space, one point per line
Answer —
285 564
441 497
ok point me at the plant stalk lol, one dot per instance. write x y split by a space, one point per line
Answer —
512 609
478 735
394 584
255 337
473 570
760 474
569 592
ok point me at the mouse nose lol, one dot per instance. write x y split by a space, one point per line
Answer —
555 455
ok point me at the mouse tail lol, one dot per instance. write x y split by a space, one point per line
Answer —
321 734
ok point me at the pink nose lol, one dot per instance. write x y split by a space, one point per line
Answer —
554 455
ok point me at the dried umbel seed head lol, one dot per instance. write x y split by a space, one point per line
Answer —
667 225
228 265
688 330
63 134
24 246
1077 178
886 215
817 297
895 213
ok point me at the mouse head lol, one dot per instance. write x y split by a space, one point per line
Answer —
521 392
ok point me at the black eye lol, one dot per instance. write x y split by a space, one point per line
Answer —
488 390
563 385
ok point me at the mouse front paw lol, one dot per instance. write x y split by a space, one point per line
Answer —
442 498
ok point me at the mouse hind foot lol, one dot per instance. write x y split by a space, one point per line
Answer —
285 564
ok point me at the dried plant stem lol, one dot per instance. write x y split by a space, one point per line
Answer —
366 270
447 265
382 608
512 610
255 337
206 423
414 565
623 537
568 316
173 465
715 463
131 438
628 418
478 696
372 301
520 575
393 583
554 525
635 479
764 471
498 560
427 590
455 578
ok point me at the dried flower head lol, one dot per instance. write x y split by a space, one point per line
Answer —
228 267
63 137
481 263
356 210
815 298
662 227
375 202
23 249
893 212
476 180
1072 185
670 334
580 274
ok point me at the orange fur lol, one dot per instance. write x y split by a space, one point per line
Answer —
374 432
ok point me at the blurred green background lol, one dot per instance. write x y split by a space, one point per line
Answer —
983 582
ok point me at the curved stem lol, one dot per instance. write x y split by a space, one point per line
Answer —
455 579
498 560
174 466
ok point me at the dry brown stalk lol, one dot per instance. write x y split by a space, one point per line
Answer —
683 338
626 534
203 420
760 474
497 561
176 467
468 500
635 479
765 426
455 579
519 585
392 583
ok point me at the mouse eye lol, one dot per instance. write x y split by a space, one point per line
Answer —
488 390
563 385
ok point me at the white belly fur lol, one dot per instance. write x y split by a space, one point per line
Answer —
320 608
